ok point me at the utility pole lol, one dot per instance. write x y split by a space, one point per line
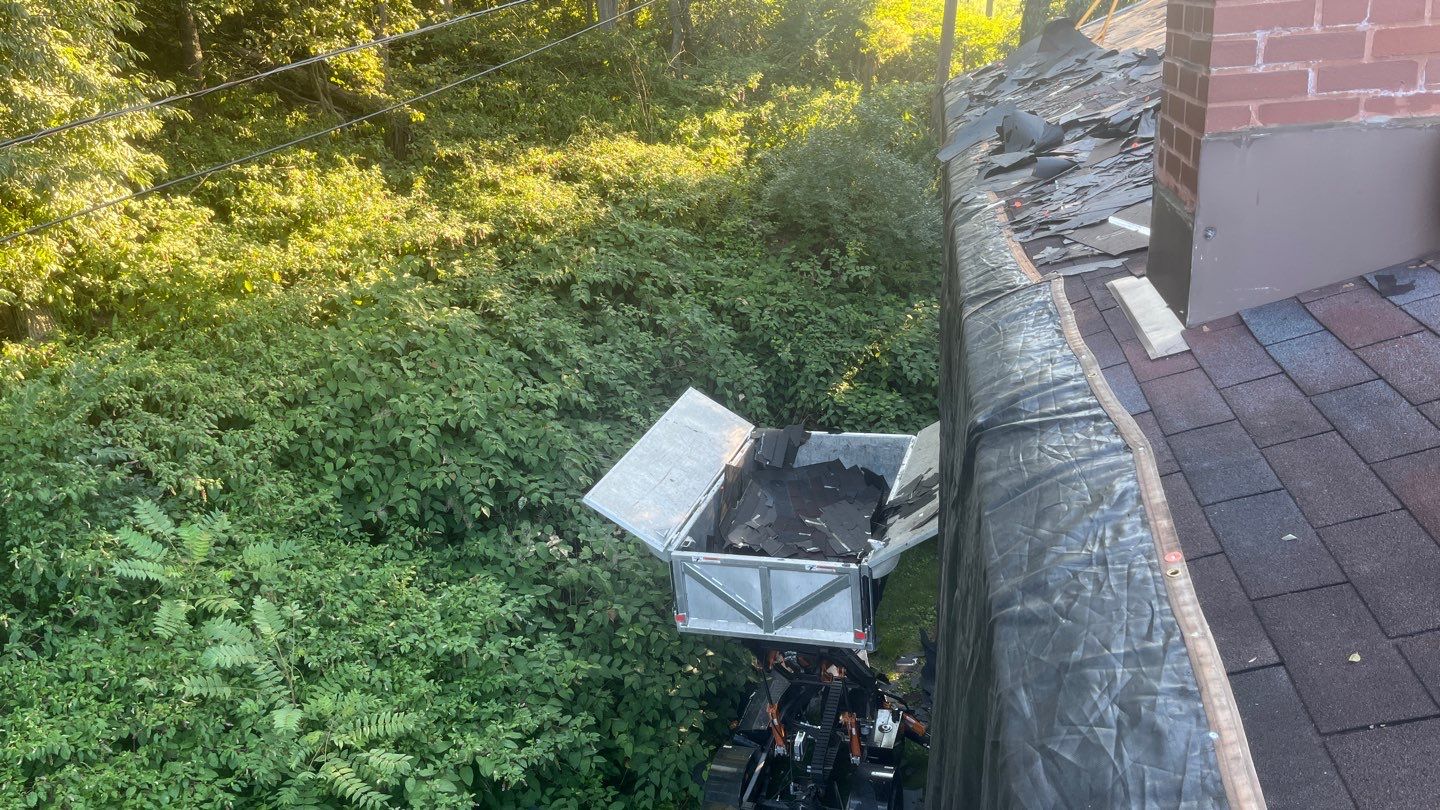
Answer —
608 10
947 43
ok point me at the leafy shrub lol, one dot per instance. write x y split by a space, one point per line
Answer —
289 501
843 185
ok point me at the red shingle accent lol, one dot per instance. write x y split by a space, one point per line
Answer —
1314 46
1251 86
1398 75
1308 111
1231 19
1418 39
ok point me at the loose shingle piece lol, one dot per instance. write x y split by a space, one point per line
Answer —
819 511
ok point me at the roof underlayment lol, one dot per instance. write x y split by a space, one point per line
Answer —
1297 452
1076 669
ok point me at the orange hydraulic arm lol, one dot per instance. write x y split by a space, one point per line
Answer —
847 720
777 729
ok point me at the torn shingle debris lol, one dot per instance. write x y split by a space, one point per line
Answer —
823 511
1075 126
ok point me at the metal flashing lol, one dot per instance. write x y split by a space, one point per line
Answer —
1160 332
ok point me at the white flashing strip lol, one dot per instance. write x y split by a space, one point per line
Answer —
1158 328
1143 230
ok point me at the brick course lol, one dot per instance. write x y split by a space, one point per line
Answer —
1236 64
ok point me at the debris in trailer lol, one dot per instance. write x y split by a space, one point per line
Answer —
818 511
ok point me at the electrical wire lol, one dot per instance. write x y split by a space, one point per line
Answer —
206 172
310 60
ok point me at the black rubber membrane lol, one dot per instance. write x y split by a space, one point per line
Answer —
1064 680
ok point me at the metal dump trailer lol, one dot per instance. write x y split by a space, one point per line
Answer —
822 732
674 486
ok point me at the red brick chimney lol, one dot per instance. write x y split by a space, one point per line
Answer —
1297 146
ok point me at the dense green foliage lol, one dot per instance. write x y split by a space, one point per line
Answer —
290 459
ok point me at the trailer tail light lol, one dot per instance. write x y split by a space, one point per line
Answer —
859 635
679 618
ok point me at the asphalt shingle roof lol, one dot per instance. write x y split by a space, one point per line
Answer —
1320 483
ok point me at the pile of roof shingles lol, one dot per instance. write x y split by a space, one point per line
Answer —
1076 125
815 511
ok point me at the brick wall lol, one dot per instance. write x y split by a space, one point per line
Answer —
1234 64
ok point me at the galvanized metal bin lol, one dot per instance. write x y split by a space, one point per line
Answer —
669 489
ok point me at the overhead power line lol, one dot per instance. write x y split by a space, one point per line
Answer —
206 172
204 91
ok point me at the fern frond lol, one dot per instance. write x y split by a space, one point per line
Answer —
286 719
215 523
260 555
270 682
300 791
211 686
170 618
386 725
385 767
217 605
343 782
227 656
268 621
196 540
227 631
139 569
140 545
152 518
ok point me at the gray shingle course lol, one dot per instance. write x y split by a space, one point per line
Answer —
1403 284
1329 482
1377 421
1392 768
1281 320
1230 356
1242 641
1273 410
1295 771
1221 463
1127 390
1320 362
1197 539
1395 566
1317 633
1253 532
1411 364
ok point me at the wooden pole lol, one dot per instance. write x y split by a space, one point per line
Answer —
1084 18
947 43
1106 27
